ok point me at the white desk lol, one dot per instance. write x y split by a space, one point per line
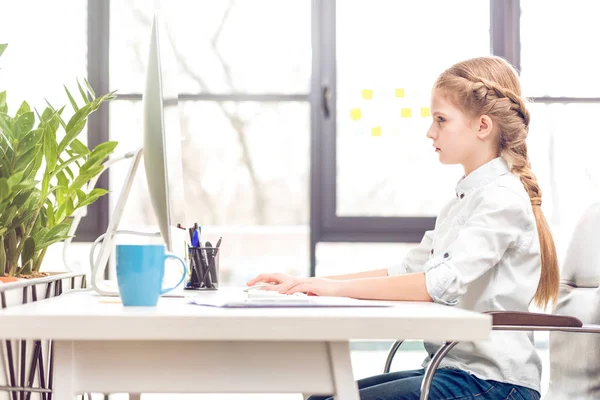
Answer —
100 346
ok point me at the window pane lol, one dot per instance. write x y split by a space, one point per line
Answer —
348 258
385 164
47 47
222 46
558 42
563 152
246 168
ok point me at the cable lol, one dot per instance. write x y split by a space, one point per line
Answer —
101 237
80 213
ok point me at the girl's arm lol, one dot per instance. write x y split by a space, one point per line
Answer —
377 273
408 287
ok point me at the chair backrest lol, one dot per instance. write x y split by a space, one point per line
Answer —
575 357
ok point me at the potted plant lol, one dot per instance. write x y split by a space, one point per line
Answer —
44 171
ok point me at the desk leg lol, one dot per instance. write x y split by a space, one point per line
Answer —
64 370
135 396
341 371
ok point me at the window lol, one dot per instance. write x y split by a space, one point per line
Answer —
35 66
562 83
388 56
245 118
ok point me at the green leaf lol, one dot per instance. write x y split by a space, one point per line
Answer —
89 87
84 177
8 215
32 169
83 93
30 140
56 116
81 196
72 100
25 217
28 184
57 233
70 207
23 125
72 132
20 200
79 148
50 213
70 173
48 113
99 153
39 235
65 164
23 109
61 211
5 128
28 250
50 150
3 47
63 185
45 184
15 179
92 197
4 189
3 105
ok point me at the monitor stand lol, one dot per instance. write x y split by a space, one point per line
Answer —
98 266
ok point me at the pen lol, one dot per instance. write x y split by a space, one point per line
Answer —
216 249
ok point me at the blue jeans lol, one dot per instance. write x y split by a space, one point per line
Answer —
448 384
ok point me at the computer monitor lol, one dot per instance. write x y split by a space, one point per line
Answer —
162 160
162 136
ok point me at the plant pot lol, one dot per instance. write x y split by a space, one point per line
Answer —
26 365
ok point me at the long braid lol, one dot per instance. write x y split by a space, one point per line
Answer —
490 86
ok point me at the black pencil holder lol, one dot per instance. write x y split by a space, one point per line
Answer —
204 268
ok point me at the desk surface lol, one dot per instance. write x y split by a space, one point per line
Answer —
86 316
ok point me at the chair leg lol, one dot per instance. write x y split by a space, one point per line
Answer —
432 367
391 354
135 396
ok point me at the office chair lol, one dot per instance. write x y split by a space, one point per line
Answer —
574 359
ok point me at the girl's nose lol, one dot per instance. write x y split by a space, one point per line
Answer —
431 134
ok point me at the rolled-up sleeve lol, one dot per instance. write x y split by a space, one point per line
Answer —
495 225
415 259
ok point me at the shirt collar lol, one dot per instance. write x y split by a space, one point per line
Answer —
486 173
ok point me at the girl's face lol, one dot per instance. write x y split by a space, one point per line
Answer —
457 137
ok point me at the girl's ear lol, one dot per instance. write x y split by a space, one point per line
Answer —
486 125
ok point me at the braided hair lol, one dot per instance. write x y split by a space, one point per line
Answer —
490 86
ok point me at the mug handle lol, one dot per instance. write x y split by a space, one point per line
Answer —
171 255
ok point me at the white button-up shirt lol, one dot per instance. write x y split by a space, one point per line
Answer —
484 255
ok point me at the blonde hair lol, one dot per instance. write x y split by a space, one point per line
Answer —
490 86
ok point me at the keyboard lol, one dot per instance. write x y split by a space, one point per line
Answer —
273 296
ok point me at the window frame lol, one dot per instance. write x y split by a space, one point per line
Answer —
325 225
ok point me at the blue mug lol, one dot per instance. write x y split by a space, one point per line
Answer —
140 272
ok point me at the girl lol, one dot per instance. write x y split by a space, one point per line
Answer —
491 248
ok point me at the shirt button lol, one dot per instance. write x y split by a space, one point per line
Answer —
431 251
446 255
462 195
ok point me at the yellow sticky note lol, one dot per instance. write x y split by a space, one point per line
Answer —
355 114
406 113
376 131
425 112
399 92
367 94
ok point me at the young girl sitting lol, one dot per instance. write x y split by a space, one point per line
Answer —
491 249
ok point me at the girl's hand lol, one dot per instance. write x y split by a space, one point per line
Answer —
273 280
314 286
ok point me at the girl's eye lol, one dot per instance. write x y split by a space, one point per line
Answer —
440 119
